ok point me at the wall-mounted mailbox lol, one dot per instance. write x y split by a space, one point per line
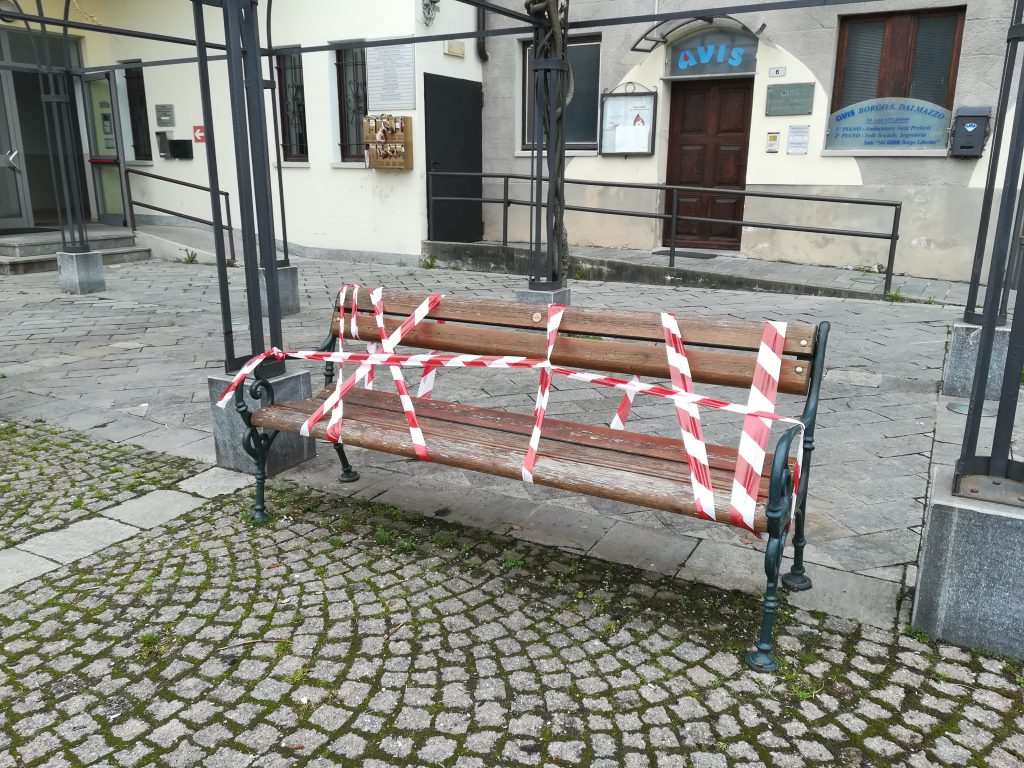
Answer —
970 131
181 149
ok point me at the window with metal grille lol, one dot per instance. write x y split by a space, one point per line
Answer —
913 55
352 103
138 113
291 97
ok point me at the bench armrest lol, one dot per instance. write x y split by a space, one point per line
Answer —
780 489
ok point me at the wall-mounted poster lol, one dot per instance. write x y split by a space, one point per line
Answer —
628 122
889 123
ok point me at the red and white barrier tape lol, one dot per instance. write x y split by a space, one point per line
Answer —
689 419
625 406
759 411
555 312
754 439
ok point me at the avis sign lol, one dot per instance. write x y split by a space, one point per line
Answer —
713 52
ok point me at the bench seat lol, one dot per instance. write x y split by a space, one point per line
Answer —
640 469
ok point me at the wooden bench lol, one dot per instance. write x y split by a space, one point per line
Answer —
635 468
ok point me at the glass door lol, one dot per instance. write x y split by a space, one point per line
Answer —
15 212
106 158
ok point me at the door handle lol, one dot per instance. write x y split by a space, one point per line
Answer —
11 155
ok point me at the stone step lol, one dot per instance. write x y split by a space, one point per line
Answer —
27 265
27 246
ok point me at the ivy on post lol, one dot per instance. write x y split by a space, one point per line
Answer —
552 81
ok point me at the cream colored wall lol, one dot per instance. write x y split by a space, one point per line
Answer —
330 205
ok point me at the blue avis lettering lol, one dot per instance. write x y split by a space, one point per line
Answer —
705 54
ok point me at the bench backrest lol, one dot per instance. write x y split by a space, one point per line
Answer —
721 352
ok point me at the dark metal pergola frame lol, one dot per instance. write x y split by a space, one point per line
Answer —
243 55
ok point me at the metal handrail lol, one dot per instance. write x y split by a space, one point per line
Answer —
132 204
506 202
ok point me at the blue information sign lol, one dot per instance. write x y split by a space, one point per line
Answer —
714 52
892 123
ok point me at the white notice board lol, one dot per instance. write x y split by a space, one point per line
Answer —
627 123
390 79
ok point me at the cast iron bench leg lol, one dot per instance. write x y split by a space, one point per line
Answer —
348 475
797 579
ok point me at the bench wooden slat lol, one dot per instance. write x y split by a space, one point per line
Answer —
495 442
709 366
639 326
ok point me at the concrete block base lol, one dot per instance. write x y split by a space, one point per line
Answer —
958 378
81 272
286 452
971 574
287 290
560 296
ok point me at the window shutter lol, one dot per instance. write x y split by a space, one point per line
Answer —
863 61
933 56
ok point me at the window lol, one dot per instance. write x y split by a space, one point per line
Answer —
909 55
352 103
581 116
138 113
292 103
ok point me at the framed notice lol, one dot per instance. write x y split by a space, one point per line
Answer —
390 78
628 123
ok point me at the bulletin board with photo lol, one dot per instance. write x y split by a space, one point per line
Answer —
628 122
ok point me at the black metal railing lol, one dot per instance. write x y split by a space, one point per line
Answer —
133 204
673 192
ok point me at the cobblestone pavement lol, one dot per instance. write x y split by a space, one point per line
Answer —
351 633
135 372
42 490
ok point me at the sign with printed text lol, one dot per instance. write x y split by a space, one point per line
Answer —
889 123
199 134
391 78
714 52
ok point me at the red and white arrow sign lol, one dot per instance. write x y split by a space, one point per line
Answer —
199 134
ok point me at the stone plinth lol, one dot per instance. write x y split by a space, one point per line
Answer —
958 378
286 452
970 587
81 272
287 290
561 296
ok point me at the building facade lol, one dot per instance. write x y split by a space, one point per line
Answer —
852 101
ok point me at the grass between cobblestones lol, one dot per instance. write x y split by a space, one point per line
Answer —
351 634
50 479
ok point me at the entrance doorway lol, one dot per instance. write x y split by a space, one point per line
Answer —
14 210
709 135
454 134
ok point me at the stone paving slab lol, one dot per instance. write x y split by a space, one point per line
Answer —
646 548
216 482
17 567
153 509
78 540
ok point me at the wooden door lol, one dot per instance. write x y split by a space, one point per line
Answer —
709 135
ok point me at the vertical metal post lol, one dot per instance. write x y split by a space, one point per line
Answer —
970 312
206 100
130 213
430 205
260 153
894 239
230 228
504 213
538 171
239 121
277 138
993 295
675 223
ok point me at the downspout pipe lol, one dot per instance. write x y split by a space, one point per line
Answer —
481 42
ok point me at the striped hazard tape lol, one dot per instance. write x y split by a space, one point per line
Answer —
759 412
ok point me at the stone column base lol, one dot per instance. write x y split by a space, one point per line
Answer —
958 377
228 428
81 272
971 574
561 296
287 290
